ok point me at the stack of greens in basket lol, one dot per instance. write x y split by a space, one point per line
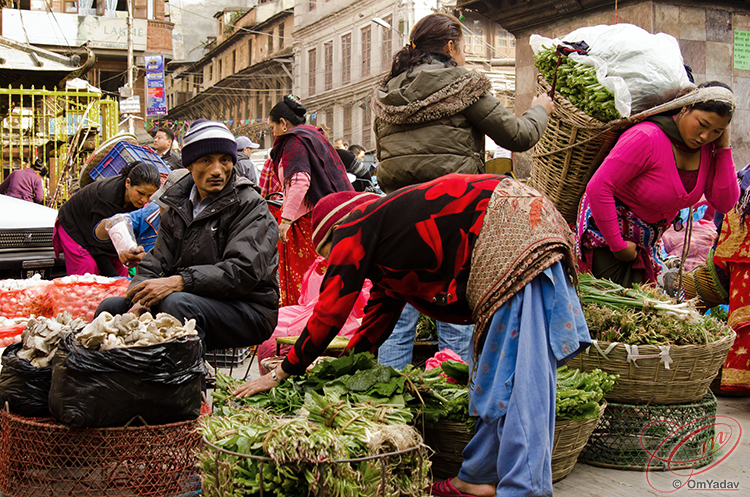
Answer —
345 408
578 83
579 393
644 316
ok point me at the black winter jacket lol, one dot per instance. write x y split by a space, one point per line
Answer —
227 252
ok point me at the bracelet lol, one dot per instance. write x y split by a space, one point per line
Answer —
276 378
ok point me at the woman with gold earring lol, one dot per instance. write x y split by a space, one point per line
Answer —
308 168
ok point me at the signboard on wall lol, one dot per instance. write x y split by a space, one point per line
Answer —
742 50
72 30
156 101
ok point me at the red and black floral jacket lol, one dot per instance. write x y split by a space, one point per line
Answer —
415 246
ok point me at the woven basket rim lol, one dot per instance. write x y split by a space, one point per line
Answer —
645 349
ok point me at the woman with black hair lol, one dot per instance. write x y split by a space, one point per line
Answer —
656 168
431 113
78 217
308 168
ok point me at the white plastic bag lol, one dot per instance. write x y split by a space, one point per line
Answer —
641 69
120 230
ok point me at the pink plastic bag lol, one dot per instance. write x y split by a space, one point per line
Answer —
439 358
293 318
704 236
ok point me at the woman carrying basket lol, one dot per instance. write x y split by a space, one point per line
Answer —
656 168
482 249
307 168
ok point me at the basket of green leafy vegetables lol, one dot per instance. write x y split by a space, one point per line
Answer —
664 352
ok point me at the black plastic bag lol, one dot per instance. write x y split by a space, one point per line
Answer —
160 383
24 386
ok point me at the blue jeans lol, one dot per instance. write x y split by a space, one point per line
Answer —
397 350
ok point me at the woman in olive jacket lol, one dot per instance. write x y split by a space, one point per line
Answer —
431 113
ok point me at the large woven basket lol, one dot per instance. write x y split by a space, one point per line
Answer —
570 439
569 152
644 377
448 439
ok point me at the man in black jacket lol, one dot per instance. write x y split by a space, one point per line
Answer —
215 258
163 139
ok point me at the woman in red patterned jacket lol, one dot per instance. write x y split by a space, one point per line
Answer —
480 249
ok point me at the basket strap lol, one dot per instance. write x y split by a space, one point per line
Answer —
603 353
663 356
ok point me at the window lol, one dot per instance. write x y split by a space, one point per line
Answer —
311 68
270 42
281 36
366 50
221 69
329 120
346 59
387 45
348 123
474 36
502 37
71 6
250 51
366 124
328 54
311 4
234 61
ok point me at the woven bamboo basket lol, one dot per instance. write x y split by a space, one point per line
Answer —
569 152
644 379
570 439
448 439
702 282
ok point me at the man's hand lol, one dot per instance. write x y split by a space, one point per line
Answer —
150 292
262 384
627 254
132 258
139 310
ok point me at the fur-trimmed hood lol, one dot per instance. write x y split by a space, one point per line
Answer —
429 92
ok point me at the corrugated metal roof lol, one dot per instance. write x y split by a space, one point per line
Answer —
23 57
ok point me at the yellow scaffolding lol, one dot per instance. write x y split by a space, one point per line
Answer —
58 127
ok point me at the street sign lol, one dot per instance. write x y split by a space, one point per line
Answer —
130 105
156 102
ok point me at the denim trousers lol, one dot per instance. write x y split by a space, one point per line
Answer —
397 350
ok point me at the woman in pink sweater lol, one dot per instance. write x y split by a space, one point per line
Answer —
656 168
308 168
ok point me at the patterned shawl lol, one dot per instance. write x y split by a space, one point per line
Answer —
304 149
522 235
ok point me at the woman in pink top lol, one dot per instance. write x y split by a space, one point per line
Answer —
656 168
308 168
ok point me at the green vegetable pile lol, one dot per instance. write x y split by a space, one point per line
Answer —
345 408
578 83
643 316
579 393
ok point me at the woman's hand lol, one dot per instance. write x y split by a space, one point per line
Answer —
545 101
262 384
283 229
627 254
723 140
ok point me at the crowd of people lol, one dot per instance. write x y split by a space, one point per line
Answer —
485 255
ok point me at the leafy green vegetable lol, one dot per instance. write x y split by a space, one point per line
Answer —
456 370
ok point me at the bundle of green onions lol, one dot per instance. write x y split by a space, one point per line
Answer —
642 316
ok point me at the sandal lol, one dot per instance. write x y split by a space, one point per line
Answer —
446 489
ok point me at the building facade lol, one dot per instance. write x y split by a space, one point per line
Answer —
77 26
344 48
246 69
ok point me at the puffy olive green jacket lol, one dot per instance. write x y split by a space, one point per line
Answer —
432 121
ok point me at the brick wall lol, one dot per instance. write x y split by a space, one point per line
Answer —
159 37
705 35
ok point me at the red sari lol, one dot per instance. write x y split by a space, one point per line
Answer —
733 256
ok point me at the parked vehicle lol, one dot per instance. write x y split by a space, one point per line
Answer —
26 240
